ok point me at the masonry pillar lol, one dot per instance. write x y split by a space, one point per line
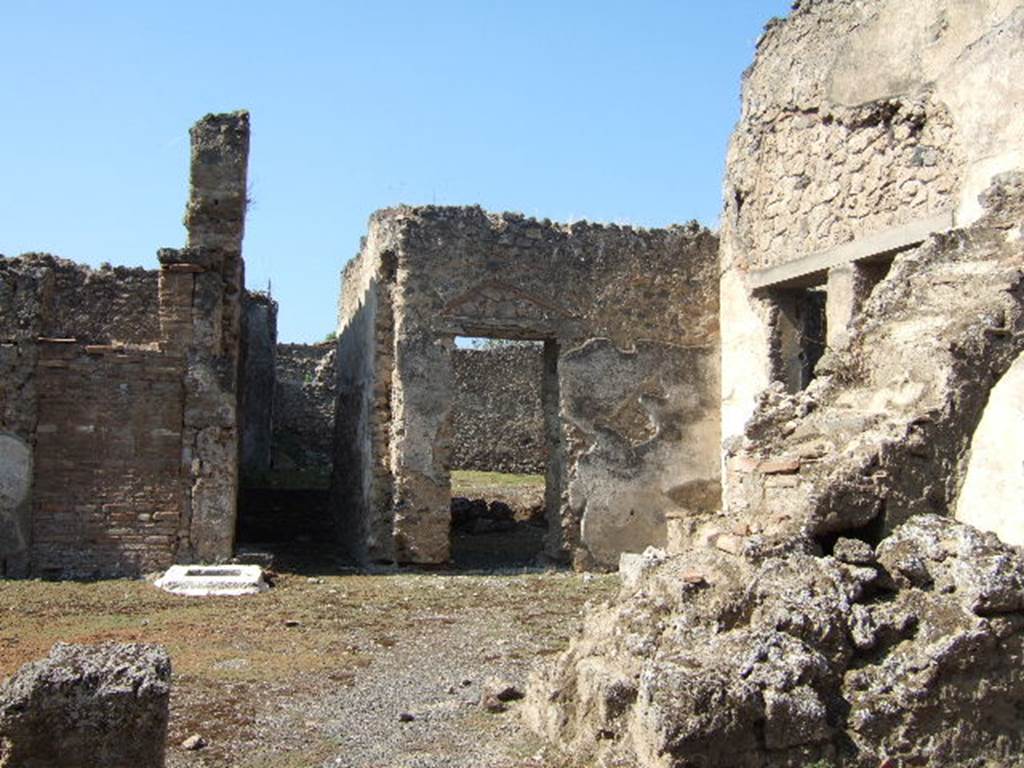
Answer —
849 286
200 296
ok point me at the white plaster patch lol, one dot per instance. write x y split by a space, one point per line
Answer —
15 471
206 580
993 488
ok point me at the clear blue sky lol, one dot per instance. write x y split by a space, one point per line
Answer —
609 111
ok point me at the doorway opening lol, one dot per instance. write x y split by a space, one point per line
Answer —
800 334
503 459
284 501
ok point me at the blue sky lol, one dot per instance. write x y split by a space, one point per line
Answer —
609 111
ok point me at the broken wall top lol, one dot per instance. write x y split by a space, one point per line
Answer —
538 279
859 116
43 295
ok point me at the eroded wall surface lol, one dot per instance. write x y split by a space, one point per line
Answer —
993 487
119 394
259 350
622 312
498 410
885 432
305 395
902 125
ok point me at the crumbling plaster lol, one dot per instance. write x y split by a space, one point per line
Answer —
913 115
623 312
993 487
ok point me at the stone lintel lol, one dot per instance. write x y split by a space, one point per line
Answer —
812 269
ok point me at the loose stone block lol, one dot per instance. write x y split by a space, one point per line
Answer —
88 706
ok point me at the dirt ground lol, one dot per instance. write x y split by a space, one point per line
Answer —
319 670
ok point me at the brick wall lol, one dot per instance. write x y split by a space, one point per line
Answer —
109 492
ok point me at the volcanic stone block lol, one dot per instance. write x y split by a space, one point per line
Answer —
87 706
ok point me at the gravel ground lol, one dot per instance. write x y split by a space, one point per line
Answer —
345 670
332 668
435 673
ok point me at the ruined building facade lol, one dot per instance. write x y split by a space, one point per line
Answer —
846 160
119 389
805 373
837 611
628 320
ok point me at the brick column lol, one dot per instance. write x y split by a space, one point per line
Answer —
200 313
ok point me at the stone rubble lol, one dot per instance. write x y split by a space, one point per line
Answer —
787 660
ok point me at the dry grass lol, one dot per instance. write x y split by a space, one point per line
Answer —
237 660
466 482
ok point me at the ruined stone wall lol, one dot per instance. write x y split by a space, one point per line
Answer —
209 329
304 398
899 128
498 415
70 469
21 290
362 480
119 393
259 349
629 320
105 305
884 433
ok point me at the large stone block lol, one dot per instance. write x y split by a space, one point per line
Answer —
87 706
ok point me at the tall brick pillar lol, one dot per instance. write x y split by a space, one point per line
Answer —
200 309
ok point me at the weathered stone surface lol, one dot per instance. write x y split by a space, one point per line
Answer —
993 483
787 660
259 348
886 427
304 401
215 218
628 320
202 581
909 116
497 409
86 706
122 384
15 510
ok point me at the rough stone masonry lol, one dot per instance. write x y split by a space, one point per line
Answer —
628 319
87 706
872 311
498 413
119 392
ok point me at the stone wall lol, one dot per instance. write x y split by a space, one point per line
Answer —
846 153
498 422
119 393
259 347
629 323
885 432
304 399
105 305
212 264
